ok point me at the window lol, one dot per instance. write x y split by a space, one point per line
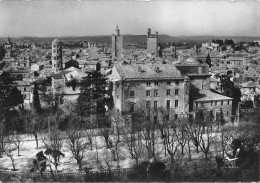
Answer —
155 105
216 103
221 102
148 83
156 83
176 103
156 93
24 96
211 103
132 94
148 93
148 104
228 102
177 82
24 89
227 113
132 107
168 92
176 116
169 82
177 92
196 104
168 104
202 104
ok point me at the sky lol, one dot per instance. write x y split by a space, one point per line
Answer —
83 18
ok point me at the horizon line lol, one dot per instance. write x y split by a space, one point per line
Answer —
68 36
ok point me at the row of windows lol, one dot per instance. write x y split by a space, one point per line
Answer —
156 83
156 93
155 105
212 103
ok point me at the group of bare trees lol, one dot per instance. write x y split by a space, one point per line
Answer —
176 135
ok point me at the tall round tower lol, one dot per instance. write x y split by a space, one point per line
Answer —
56 55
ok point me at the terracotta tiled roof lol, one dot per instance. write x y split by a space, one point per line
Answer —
208 95
155 71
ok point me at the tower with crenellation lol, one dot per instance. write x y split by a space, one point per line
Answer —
152 43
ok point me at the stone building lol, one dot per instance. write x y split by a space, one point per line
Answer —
56 55
152 41
214 102
197 72
117 44
149 86
207 99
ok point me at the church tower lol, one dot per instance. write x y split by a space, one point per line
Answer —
8 48
117 44
56 55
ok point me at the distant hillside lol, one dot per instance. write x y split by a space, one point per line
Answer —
133 39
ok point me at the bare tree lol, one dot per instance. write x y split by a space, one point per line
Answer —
150 137
17 142
207 139
227 136
77 143
9 150
133 141
107 159
33 123
118 123
53 142
105 132
195 130
171 140
90 134
2 135
182 133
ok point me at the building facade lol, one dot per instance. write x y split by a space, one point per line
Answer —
151 87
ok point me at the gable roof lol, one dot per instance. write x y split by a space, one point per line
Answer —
148 71
211 96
